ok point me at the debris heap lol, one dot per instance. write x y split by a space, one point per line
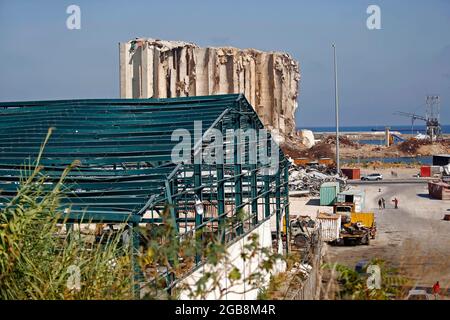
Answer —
308 180
412 145
343 140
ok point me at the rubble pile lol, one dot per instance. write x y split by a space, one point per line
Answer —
303 269
310 179
343 140
412 145
323 149
293 148
318 151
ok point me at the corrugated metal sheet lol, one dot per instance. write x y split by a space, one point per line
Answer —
330 226
328 193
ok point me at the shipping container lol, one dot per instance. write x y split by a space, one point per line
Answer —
352 173
435 170
353 196
328 193
330 226
441 160
439 190
326 161
301 161
425 171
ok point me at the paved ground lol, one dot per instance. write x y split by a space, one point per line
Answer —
389 173
413 237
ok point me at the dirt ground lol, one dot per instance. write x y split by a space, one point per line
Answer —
414 238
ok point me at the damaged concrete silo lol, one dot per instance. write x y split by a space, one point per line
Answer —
161 69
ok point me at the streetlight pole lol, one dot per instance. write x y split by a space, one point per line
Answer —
336 101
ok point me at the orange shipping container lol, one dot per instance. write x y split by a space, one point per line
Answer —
301 161
352 174
326 161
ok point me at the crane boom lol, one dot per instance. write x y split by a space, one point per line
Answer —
410 115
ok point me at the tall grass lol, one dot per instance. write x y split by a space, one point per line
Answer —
39 261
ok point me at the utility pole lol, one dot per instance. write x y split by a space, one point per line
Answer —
336 101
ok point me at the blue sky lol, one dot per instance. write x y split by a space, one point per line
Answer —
380 71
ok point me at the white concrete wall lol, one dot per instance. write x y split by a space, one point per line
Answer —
241 290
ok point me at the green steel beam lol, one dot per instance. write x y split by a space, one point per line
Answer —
237 173
278 200
171 205
267 196
254 183
286 204
221 189
198 217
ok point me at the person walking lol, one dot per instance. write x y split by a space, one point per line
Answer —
383 202
436 290
395 203
380 203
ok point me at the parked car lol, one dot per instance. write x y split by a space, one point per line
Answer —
372 177
418 295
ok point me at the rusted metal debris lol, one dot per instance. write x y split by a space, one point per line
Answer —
309 179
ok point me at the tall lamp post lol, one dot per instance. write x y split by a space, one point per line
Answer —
336 101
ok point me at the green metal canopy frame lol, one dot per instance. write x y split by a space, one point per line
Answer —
125 172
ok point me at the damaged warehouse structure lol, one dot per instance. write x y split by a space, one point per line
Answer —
125 171
151 68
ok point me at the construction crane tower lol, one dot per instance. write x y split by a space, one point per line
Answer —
431 118
432 115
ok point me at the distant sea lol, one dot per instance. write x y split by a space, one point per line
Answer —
401 128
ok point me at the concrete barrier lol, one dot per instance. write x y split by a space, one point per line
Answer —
241 289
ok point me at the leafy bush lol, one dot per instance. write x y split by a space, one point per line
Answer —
353 285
